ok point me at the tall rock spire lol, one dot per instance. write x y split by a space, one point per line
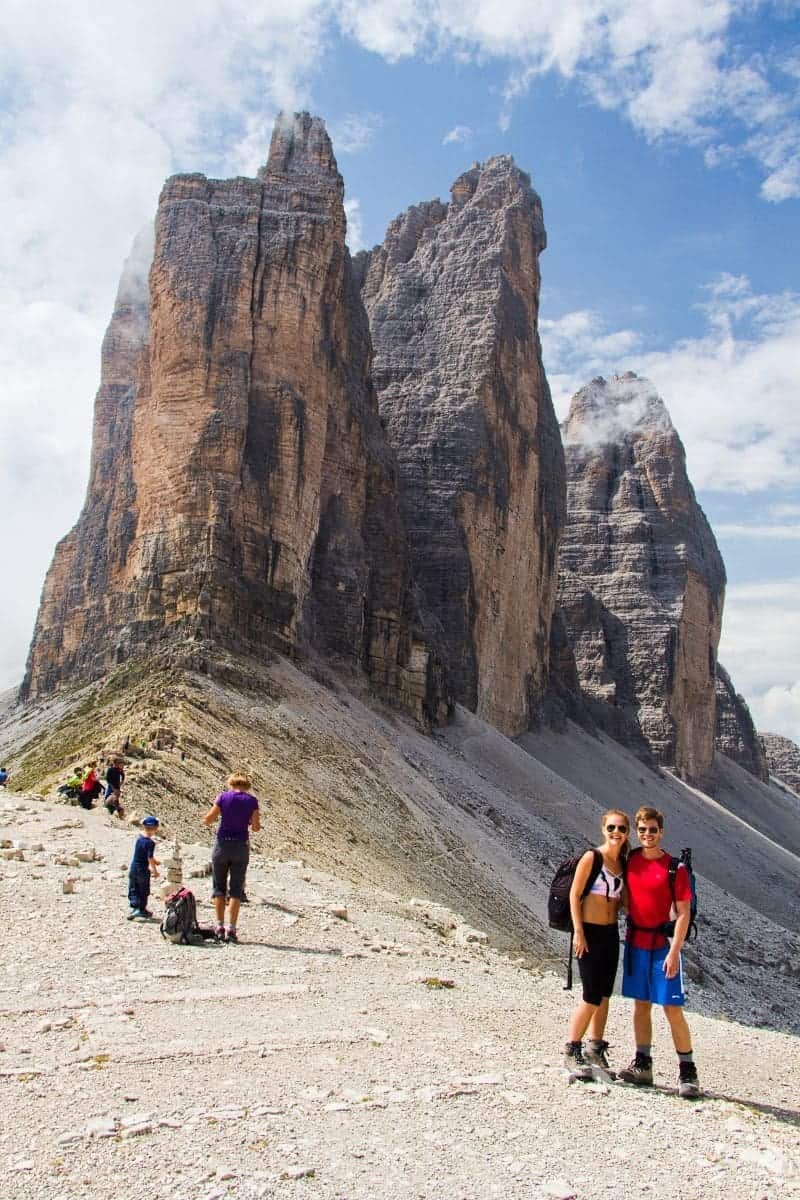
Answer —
243 491
641 583
453 298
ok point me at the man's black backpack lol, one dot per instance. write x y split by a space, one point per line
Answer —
668 927
180 919
558 912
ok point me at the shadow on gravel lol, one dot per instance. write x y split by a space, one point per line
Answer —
287 949
283 908
789 1116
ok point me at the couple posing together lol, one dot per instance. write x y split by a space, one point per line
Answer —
651 972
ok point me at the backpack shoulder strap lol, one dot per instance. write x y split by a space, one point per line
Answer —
674 863
597 864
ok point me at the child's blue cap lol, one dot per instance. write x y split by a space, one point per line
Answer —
150 822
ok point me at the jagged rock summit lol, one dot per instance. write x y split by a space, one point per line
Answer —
783 759
641 582
735 732
453 298
242 490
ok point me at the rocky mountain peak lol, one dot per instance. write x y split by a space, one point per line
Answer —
453 298
641 580
242 490
300 149
783 759
608 412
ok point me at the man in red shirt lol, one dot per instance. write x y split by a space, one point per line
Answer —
652 972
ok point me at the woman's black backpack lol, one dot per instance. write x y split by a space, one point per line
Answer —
558 912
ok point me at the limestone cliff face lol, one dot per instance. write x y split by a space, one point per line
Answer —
242 489
735 732
783 759
452 297
641 583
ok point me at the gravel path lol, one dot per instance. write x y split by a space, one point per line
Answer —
330 1058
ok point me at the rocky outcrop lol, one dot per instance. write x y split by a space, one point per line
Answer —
242 489
783 759
452 296
735 732
641 581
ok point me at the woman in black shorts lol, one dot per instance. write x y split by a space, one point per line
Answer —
594 901
237 811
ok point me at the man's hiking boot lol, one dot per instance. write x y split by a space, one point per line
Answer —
596 1055
688 1085
575 1063
135 912
231 936
639 1072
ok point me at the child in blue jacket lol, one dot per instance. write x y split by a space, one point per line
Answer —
143 865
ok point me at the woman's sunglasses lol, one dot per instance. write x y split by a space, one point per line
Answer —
616 828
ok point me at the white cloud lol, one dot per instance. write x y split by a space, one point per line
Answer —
731 392
760 647
355 232
674 68
778 711
354 132
780 533
457 135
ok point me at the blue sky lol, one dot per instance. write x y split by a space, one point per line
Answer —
662 135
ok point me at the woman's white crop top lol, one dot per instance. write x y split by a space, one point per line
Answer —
607 884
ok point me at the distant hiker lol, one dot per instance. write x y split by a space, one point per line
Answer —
143 865
594 899
91 787
72 788
115 777
652 971
3 777
237 812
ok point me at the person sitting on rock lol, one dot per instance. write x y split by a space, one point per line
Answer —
72 788
144 864
237 812
115 777
3 777
91 787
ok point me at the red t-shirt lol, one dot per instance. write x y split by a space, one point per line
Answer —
650 896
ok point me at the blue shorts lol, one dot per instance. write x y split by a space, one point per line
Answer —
643 977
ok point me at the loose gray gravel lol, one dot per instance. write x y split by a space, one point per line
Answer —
328 1057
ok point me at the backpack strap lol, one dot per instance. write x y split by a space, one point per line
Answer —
568 985
597 866
674 863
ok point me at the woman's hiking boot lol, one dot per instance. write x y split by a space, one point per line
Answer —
575 1063
688 1084
639 1072
596 1055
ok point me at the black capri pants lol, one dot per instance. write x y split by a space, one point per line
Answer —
598 966
229 861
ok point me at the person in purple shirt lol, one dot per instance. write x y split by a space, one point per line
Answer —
237 813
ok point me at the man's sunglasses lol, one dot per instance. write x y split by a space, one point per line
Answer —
647 829
616 828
